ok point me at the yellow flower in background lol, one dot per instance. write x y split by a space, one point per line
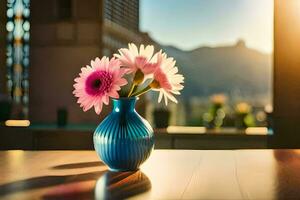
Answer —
218 99
243 108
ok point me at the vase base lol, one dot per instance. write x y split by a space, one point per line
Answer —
122 170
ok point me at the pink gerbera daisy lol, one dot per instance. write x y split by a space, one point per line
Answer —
98 82
138 62
166 80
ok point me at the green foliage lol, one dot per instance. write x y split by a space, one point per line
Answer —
249 120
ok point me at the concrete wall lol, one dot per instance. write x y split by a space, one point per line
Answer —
58 51
52 74
59 48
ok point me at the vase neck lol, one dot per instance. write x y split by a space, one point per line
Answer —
124 104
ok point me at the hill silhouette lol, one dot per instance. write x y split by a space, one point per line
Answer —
234 70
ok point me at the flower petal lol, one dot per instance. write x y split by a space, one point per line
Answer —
98 108
96 84
160 96
133 49
167 77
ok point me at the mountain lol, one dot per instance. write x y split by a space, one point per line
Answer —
234 70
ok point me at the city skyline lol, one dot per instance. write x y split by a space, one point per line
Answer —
209 23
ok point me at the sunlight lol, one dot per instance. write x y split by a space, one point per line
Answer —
17 123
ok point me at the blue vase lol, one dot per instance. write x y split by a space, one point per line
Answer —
124 140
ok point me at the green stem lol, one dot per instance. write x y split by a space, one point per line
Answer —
143 91
133 86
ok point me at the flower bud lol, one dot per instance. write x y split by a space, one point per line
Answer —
155 84
138 77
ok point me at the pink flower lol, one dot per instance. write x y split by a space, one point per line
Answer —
166 80
137 60
98 82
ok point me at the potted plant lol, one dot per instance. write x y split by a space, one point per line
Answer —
216 114
124 140
244 117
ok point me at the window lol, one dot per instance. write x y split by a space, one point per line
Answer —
225 52
17 51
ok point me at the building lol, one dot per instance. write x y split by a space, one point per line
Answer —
120 24
64 36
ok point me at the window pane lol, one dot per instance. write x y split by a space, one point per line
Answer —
224 49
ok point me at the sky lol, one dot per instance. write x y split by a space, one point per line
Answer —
188 24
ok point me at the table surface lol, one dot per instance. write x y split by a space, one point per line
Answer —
167 174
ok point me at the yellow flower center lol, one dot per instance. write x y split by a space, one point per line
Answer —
138 77
155 84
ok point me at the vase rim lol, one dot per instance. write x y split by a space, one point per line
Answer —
126 98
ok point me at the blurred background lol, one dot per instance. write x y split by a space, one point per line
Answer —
224 49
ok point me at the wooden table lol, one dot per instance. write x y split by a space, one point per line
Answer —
168 174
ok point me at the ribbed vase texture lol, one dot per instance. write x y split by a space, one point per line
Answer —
124 140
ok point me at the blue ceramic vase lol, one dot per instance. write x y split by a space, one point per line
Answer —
124 140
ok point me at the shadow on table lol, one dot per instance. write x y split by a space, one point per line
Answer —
46 181
98 185
79 165
121 185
